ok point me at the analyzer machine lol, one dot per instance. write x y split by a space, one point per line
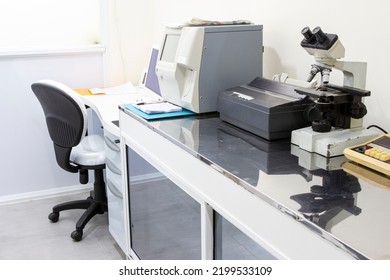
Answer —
198 62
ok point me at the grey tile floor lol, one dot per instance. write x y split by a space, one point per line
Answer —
27 234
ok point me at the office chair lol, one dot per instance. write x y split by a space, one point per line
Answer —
66 119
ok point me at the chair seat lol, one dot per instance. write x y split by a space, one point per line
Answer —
89 152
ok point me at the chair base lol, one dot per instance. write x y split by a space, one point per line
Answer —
92 206
95 204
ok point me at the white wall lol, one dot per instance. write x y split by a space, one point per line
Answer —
361 25
45 22
128 38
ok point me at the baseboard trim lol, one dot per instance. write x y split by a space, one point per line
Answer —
22 197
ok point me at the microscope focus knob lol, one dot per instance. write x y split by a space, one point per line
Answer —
321 126
312 113
358 110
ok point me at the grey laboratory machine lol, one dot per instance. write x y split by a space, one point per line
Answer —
266 108
197 62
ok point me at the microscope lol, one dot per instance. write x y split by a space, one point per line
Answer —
338 111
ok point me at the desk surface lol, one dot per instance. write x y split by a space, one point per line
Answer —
106 105
349 211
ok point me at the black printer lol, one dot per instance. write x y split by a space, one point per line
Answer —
266 108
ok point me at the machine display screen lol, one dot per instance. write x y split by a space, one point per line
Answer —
169 48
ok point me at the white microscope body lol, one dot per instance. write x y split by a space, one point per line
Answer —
333 139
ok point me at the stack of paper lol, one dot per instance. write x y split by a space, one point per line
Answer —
203 22
160 107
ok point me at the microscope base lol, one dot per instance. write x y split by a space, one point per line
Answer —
313 161
333 143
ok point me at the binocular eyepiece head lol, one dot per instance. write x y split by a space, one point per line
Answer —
316 35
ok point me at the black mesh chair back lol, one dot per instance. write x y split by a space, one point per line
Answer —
65 119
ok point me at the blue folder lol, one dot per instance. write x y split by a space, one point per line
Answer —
183 112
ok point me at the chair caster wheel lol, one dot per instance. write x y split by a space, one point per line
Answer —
77 235
54 217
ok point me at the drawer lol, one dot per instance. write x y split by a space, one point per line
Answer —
112 143
115 182
114 167
112 150
116 214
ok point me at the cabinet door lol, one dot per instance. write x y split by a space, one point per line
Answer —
165 221
232 244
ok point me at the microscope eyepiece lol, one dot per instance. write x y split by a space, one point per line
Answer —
319 34
306 32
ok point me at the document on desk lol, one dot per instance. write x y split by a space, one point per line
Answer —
159 107
121 89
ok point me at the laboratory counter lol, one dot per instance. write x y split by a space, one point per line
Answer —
342 205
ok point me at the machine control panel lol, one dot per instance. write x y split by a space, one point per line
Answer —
374 154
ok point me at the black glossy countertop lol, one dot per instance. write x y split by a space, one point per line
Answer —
347 204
